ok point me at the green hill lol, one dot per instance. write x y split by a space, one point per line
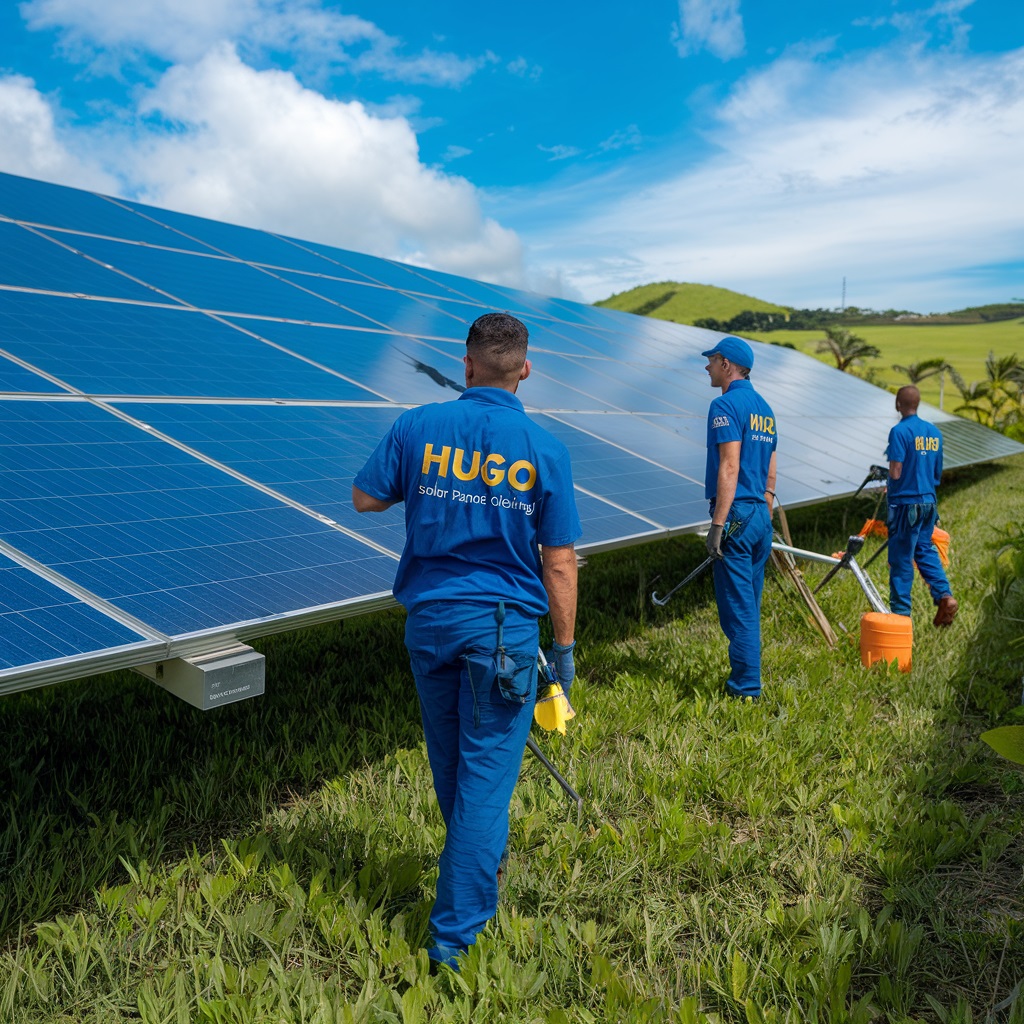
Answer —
684 303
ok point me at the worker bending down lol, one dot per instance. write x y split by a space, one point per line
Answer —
915 471
739 482
483 486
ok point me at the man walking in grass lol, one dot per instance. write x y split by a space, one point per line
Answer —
739 482
483 486
915 470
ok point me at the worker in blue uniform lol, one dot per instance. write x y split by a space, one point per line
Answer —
739 482
915 471
483 487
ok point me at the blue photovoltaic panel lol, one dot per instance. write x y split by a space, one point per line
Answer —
965 442
307 453
606 524
40 622
244 243
407 314
107 348
635 484
392 367
150 529
254 395
39 202
633 389
17 380
29 260
382 272
669 441
217 283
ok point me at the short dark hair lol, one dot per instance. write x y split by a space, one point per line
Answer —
498 341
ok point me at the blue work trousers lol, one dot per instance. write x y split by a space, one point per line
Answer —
739 580
910 541
476 720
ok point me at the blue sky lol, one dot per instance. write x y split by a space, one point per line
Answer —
577 149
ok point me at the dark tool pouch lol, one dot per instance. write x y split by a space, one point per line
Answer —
514 672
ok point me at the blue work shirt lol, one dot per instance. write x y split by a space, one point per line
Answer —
483 485
917 444
741 414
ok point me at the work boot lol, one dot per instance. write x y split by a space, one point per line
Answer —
946 611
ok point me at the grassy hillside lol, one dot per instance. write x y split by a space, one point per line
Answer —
684 303
965 346
844 851
962 337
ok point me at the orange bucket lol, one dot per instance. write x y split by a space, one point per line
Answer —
884 637
941 541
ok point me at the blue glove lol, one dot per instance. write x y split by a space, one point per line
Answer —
561 660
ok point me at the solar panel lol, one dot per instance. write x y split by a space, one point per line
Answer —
184 404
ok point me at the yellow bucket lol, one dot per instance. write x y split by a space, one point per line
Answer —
884 637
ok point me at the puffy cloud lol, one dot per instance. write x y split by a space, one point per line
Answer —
222 140
32 145
888 167
182 31
255 147
712 25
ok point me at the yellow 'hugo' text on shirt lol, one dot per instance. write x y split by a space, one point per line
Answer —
521 475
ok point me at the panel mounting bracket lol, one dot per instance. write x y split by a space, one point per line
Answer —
210 680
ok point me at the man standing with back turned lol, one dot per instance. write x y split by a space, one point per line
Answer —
739 483
483 486
915 470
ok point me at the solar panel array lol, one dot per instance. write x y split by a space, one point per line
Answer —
184 404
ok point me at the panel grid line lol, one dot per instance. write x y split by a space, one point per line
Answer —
83 594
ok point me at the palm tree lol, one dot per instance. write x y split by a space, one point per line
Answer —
997 401
917 372
977 402
848 350
1005 376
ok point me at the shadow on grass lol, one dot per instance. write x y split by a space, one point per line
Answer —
113 766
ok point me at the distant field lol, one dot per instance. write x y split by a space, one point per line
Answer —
684 303
964 345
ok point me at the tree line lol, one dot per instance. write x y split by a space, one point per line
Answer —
797 319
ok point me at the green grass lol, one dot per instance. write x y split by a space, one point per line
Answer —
965 346
684 303
845 850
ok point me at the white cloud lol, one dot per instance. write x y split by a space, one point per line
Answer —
625 137
257 148
522 68
455 153
559 151
182 31
885 168
32 145
943 20
712 25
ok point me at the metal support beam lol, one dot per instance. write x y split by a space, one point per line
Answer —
846 562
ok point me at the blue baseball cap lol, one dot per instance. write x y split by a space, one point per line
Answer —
736 350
